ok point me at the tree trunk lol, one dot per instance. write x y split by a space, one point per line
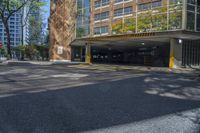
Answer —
22 28
22 38
8 38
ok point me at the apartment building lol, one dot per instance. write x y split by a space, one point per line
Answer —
142 32
15 30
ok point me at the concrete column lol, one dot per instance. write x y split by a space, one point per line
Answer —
81 54
175 54
184 15
88 53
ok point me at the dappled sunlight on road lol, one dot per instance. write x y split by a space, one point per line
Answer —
65 99
180 87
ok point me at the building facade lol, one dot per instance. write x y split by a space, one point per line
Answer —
15 30
18 25
142 32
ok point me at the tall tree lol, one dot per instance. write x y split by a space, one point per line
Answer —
7 9
27 14
35 32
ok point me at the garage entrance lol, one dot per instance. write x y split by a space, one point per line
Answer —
144 53
147 56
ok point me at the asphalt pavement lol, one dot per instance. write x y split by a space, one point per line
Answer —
97 99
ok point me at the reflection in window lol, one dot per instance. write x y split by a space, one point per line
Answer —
198 22
101 16
101 3
175 20
191 1
101 30
175 1
83 18
190 20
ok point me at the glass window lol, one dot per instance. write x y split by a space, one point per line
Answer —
118 12
117 1
175 1
98 17
101 16
101 30
190 7
198 22
198 9
101 3
104 15
156 4
97 4
147 6
128 10
143 7
191 1
198 2
104 29
97 30
190 20
105 2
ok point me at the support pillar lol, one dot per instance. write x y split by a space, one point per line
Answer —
88 54
175 60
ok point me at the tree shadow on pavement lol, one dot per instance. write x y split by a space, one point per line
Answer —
99 105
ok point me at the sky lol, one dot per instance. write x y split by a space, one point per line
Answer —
47 8
47 12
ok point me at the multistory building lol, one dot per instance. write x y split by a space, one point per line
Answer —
15 30
142 32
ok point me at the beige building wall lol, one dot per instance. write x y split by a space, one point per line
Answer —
62 29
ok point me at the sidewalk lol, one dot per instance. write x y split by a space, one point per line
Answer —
45 63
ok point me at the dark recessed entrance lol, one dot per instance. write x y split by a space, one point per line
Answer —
142 54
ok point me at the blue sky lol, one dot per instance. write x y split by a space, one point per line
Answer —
47 12
47 9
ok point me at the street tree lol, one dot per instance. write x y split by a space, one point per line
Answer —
7 9
31 7
35 34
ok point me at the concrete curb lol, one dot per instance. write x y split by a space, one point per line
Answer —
45 63
4 63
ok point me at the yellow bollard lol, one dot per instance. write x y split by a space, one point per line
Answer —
88 54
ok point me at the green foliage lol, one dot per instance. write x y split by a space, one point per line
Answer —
10 7
129 25
35 34
117 27
21 49
144 21
3 51
43 51
157 19
33 52
80 32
